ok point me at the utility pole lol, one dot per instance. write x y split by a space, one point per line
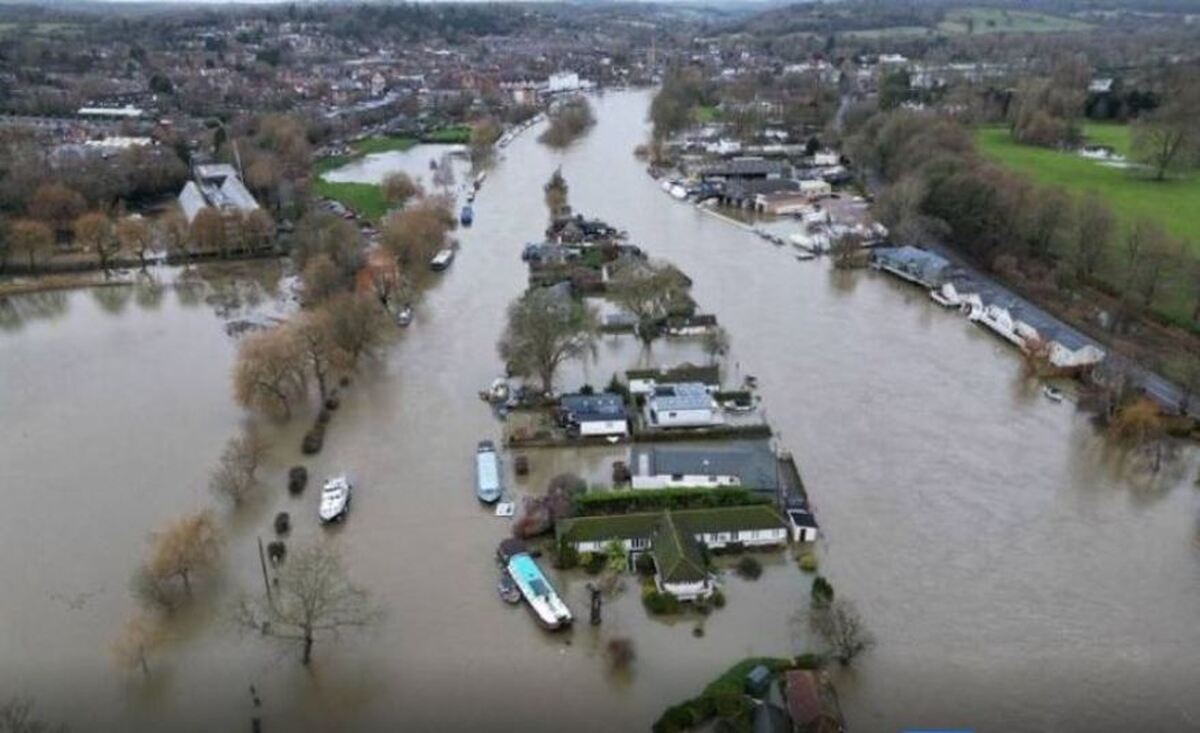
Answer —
262 561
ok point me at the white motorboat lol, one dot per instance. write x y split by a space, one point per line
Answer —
1054 394
335 499
405 316
442 259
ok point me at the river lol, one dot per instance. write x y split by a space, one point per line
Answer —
1016 573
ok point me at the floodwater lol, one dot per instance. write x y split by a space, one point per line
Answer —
418 162
1017 575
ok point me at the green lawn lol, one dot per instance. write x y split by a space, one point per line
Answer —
703 114
1174 204
997 20
365 198
460 134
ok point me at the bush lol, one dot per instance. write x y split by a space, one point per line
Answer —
808 561
276 551
313 440
332 402
283 523
718 599
749 568
297 479
660 604
679 499
822 591
567 557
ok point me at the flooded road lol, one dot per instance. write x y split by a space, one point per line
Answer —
1016 575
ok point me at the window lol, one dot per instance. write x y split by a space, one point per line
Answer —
677 477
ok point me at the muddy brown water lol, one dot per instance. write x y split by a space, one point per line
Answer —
1017 575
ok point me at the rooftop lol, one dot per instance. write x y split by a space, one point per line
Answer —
752 462
692 521
602 406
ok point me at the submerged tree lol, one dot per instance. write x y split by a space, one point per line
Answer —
94 231
31 240
398 188
269 374
543 331
414 235
556 195
187 547
236 474
312 597
842 629
138 639
135 235
568 120
1140 426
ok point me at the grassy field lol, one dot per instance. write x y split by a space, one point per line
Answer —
997 20
985 20
365 198
1175 204
460 134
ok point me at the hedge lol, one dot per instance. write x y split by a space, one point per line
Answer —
722 697
630 502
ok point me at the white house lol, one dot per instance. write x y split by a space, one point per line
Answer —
684 405
217 185
750 464
594 414
815 188
674 540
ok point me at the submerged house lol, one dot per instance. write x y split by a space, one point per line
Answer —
747 464
588 415
913 264
684 405
676 540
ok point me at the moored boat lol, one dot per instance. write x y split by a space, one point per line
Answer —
405 316
442 259
1054 394
487 473
466 216
335 499
549 610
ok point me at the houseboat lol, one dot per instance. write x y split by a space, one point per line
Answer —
442 259
549 610
335 499
466 216
487 473
405 316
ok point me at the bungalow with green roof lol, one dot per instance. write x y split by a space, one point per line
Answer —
675 540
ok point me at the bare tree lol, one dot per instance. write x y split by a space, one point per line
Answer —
138 639
543 331
312 597
315 332
188 546
848 252
320 280
398 188
208 232
414 235
236 474
1139 425
356 324
135 235
650 292
842 629
1168 138
484 134
1093 232
56 205
94 231
269 374
32 239
173 229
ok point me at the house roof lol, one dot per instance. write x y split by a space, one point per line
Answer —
694 521
744 167
676 552
585 408
681 373
752 462
682 396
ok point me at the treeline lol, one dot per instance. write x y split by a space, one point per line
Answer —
940 189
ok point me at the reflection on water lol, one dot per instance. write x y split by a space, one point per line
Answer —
1015 570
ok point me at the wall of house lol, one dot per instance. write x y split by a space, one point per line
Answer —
690 481
604 427
684 418
747 537
685 591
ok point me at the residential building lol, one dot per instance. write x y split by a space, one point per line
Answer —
685 405
594 414
675 540
749 464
